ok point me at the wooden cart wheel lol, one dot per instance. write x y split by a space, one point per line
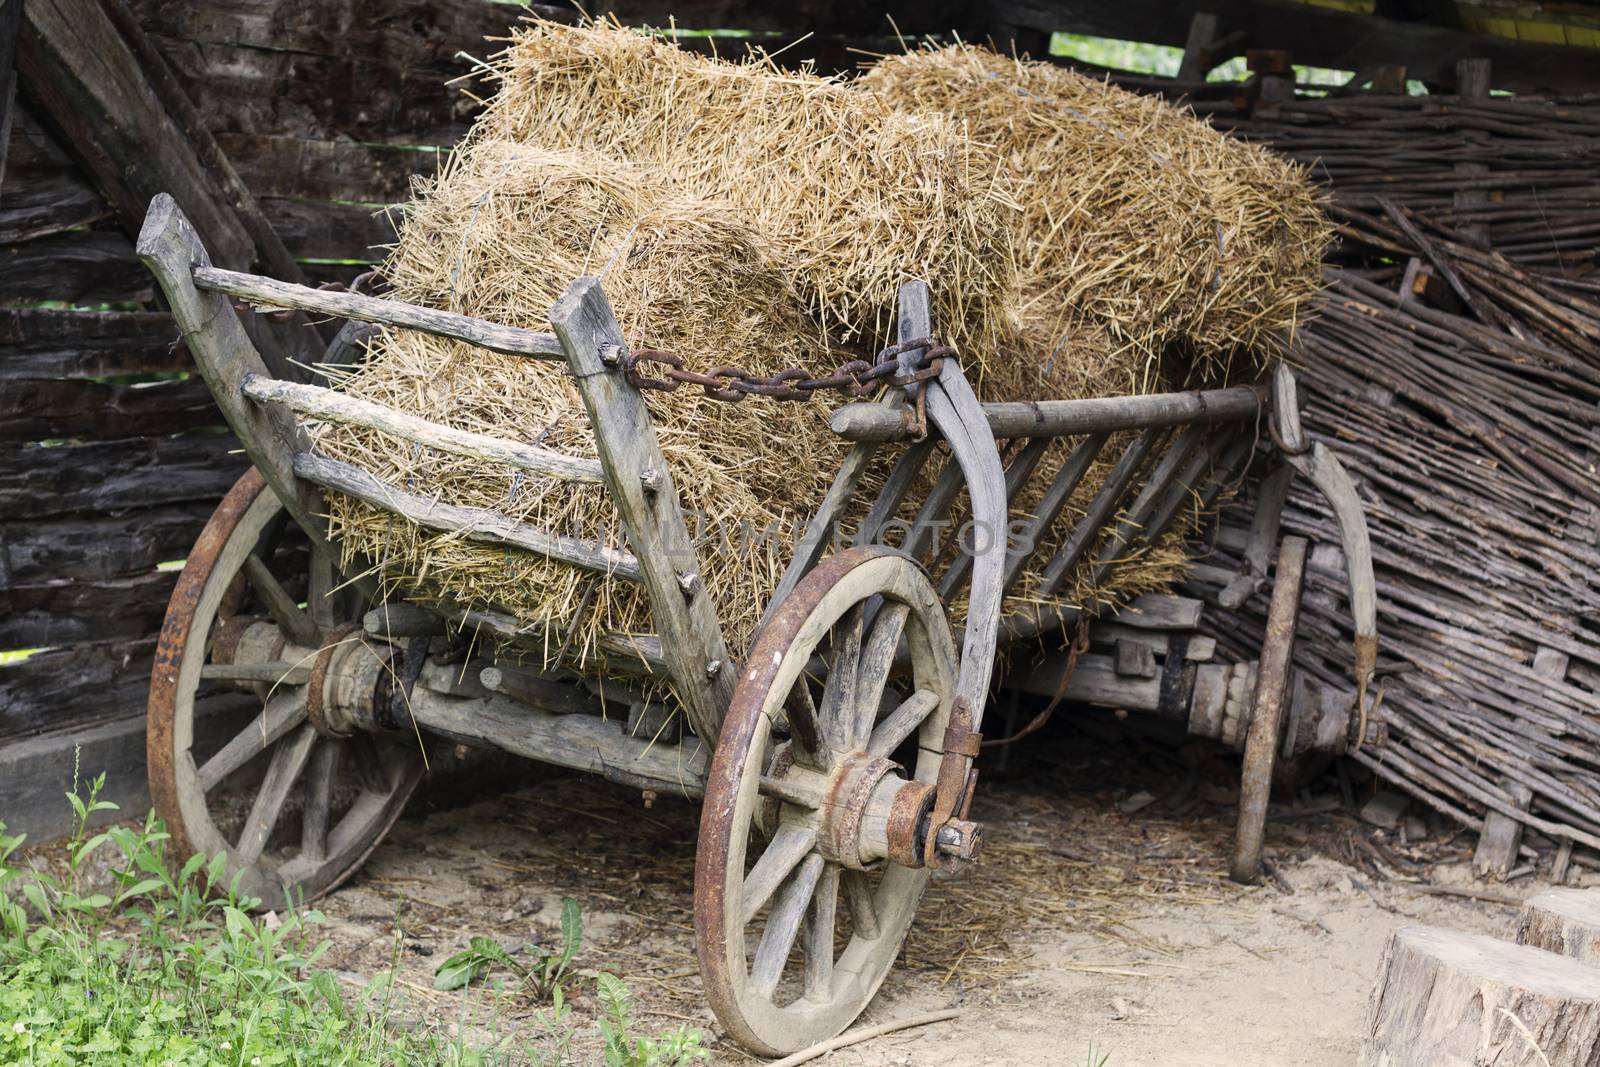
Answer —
345 789
833 813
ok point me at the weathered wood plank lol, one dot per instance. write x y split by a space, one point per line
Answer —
91 547
330 406
63 612
473 524
86 267
1061 418
41 203
143 472
84 684
328 170
37 410
53 343
34 772
322 229
511 340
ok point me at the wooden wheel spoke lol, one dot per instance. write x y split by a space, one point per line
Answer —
902 722
284 711
816 938
280 605
783 926
805 727
788 847
288 760
320 774
274 673
839 694
863 910
877 659
321 602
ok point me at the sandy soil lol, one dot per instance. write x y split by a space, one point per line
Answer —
1088 931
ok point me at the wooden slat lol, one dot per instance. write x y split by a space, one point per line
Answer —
322 229
111 475
35 410
473 524
84 684
41 203
511 340
52 343
331 406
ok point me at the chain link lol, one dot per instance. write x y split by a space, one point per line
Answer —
857 378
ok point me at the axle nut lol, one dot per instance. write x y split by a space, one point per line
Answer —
960 838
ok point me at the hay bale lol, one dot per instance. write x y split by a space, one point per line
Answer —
1137 219
859 195
499 234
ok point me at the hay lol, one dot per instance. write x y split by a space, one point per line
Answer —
741 214
499 234
859 196
1138 220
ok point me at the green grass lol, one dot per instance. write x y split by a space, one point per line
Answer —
160 968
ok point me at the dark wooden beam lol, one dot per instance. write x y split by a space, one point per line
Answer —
1317 37
10 22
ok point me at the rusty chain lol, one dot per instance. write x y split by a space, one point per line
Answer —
730 383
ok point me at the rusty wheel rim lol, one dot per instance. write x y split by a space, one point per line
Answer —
853 606
346 794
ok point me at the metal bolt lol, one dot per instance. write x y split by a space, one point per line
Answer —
650 478
689 582
713 668
610 355
961 839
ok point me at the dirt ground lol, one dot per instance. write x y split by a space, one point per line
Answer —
1090 930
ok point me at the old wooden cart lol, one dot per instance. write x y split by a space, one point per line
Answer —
836 763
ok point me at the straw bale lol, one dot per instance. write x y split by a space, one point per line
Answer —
1180 243
499 234
859 195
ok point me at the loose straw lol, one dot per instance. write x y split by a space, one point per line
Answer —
866 1033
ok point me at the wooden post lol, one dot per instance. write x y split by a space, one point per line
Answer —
171 249
10 23
1563 921
641 486
1199 55
1446 999
1501 836
1472 83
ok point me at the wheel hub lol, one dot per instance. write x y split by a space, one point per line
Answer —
349 674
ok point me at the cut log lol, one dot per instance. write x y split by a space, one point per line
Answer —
1564 921
1448 999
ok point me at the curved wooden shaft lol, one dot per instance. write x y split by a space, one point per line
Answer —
953 409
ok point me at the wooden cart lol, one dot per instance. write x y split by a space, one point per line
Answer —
835 763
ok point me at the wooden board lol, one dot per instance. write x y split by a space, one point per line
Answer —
52 343
98 546
33 409
112 475
62 613
86 267
86 683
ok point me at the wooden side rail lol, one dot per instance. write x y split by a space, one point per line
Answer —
473 524
268 292
331 406
1062 418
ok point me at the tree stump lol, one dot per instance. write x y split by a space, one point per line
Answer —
1448 999
1565 921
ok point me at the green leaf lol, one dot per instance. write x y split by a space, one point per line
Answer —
34 894
571 931
489 950
459 970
